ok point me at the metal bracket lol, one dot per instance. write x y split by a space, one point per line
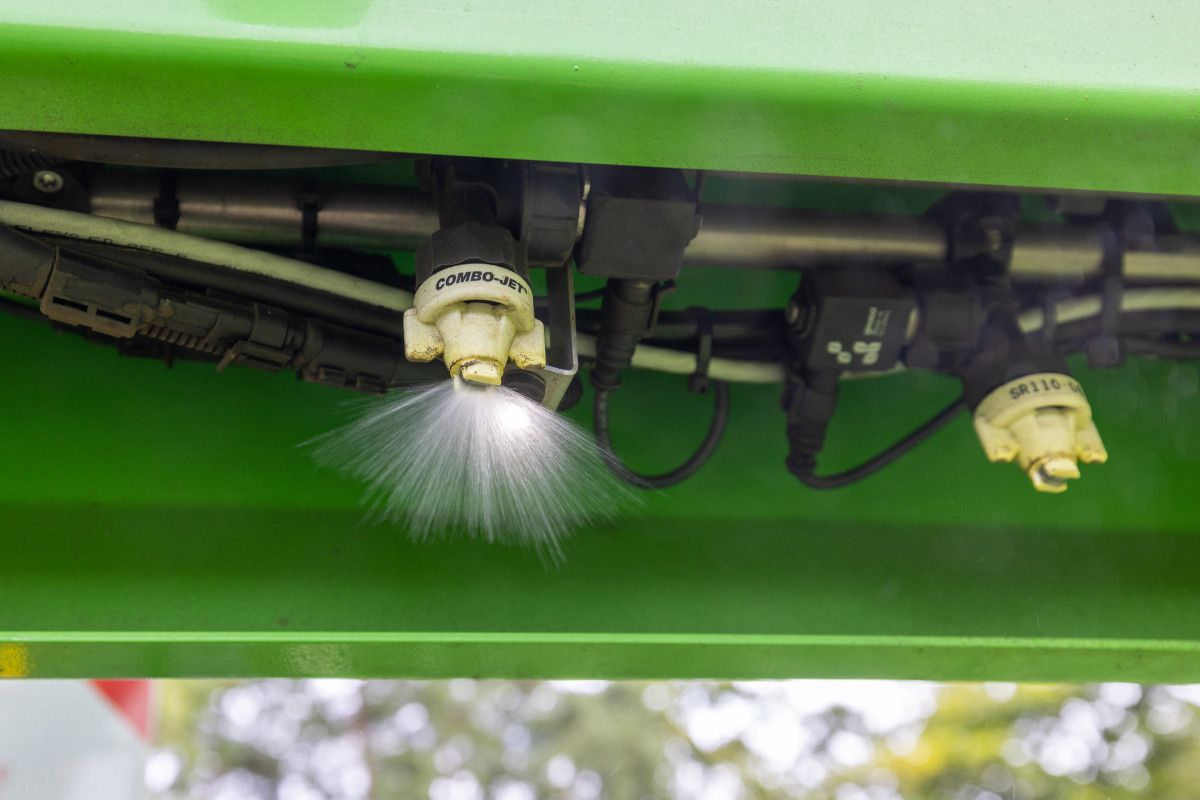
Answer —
562 358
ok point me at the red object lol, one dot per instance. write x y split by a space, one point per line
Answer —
131 699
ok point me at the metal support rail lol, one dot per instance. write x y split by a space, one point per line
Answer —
265 211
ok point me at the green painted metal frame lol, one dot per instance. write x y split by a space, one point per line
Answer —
1071 94
162 522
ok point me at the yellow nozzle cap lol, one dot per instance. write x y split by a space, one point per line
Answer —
476 318
1043 422
486 372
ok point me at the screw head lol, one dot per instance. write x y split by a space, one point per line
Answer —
994 239
47 180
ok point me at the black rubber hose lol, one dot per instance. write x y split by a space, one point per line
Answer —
688 468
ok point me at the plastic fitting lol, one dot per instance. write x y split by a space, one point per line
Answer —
476 317
1043 422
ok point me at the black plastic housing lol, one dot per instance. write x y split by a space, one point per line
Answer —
639 222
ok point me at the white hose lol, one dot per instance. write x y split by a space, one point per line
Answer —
1072 309
73 225
678 362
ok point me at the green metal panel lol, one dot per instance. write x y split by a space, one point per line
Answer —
1072 94
162 522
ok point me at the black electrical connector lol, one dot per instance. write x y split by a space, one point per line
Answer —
78 289
639 222
809 401
838 321
626 314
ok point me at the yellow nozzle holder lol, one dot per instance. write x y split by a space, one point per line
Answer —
1044 423
476 317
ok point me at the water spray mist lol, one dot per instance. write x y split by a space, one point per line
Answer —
470 455
484 461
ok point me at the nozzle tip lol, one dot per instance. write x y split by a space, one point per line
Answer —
485 372
1052 474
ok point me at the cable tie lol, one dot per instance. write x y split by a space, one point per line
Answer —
1104 349
166 202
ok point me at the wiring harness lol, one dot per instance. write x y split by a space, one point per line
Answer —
977 313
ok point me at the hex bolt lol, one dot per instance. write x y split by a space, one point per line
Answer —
47 180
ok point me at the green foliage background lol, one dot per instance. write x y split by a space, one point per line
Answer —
514 740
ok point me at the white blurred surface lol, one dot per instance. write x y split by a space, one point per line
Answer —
62 740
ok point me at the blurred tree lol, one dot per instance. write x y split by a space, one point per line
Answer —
512 740
1007 742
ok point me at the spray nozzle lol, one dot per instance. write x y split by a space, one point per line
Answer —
477 318
474 306
1044 423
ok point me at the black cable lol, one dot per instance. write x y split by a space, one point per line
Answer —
946 415
1070 338
688 468
886 457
